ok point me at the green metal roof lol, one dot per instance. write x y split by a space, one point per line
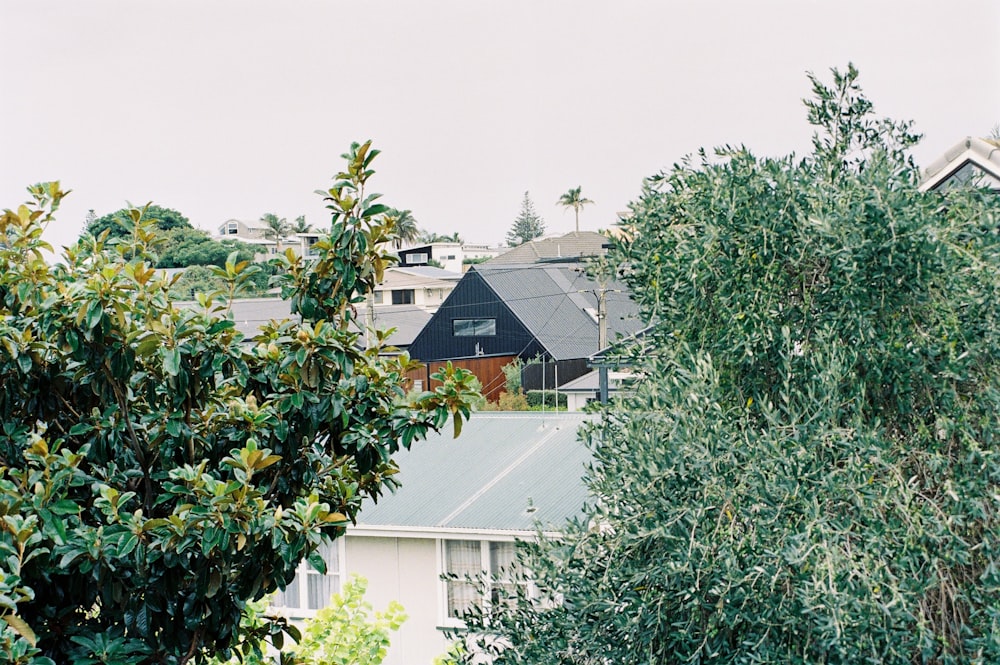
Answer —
506 472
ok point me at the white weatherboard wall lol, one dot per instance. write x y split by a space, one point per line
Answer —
404 570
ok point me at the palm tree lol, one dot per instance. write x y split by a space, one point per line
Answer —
300 225
275 227
573 199
406 227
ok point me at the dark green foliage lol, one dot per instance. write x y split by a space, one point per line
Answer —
119 223
193 247
528 225
809 471
158 471
550 398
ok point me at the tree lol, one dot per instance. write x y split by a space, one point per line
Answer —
528 225
275 228
345 632
300 225
573 199
432 237
157 471
119 223
406 230
183 247
807 472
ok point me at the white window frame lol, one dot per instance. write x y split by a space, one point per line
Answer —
444 620
419 257
303 611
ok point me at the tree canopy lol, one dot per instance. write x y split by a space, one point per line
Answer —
527 226
158 471
808 470
119 223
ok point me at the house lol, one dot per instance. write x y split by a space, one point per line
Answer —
587 388
462 504
970 161
499 313
451 256
425 287
572 246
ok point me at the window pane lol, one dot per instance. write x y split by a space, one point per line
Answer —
462 559
473 327
402 297
319 588
290 596
502 590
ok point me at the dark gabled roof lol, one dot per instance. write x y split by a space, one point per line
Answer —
557 304
506 472
562 248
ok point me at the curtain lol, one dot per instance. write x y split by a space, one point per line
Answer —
463 562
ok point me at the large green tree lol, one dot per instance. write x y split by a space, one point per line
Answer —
119 223
158 471
527 226
809 471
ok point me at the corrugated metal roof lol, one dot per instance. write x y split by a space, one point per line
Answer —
571 245
507 471
557 303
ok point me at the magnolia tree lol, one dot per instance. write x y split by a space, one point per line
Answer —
810 472
158 471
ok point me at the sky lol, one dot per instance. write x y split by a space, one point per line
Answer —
233 108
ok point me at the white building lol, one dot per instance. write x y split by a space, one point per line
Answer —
462 505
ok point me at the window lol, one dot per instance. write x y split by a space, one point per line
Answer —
468 566
473 327
233 228
412 259
310 241
377 297
402 296
309 590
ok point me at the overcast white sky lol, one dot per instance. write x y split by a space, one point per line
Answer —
233 108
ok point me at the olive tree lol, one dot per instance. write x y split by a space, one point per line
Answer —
809 471
158 471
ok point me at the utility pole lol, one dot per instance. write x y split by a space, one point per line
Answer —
370 319
602 341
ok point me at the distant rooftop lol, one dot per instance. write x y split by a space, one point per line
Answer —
571 246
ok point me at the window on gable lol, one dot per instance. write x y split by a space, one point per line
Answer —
412 259
473 327
309 590
469 567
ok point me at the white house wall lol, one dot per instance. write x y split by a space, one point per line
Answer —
405 570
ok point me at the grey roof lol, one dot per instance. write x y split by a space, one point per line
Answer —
570 246
251 313
429 271
557 303
489 476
